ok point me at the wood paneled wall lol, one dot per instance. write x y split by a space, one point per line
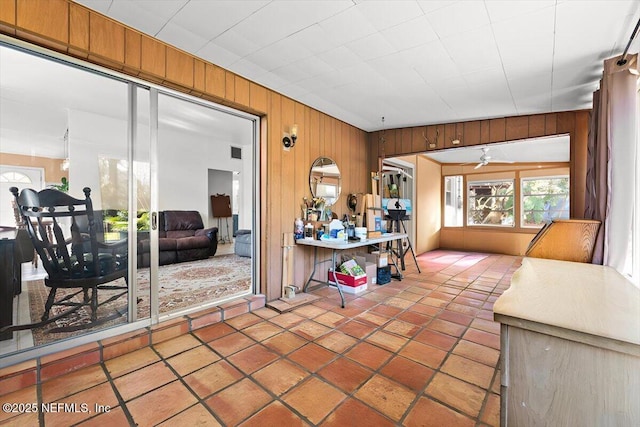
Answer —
404 141
72 29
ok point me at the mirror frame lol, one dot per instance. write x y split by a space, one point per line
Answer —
314 179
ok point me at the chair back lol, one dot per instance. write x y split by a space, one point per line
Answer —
51 218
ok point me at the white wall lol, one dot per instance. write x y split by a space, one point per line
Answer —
184 161
183 167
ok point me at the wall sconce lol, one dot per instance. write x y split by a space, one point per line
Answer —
289 140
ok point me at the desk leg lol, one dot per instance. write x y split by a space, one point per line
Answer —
335 279
315 262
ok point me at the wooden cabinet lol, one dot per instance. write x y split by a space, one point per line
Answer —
565 240
570 346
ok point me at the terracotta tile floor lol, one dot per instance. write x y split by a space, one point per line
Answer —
421 351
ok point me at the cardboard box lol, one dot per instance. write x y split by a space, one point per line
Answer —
353 289
349 284
346 280
374 212
369 267
380 259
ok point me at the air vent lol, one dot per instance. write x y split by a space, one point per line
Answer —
236 153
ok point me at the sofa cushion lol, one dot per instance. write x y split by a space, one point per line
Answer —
199 242
182 220
192 254
164 244
179 234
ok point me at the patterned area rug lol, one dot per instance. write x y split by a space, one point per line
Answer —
181 286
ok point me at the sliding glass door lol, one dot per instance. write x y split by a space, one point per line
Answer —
199 264
154 160
72 125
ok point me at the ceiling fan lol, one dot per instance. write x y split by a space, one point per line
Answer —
485 159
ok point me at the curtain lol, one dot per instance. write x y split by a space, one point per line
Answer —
611 161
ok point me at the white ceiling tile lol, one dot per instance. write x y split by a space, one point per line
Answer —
314 66
234 41
338 77
272 81
385 14
434 63
339 57
217 55
527 40
485 77
578 35
248 69
148 16
319 83
410 34
205 18
571 99
371 46
431 5
501 10
473 50
291 73
532 93
530 86
280 19
181 37
279 53
458 17
313 38
569 76
293 90
347 26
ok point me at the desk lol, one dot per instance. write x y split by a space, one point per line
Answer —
340 245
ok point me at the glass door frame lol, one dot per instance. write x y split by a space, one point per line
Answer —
133 84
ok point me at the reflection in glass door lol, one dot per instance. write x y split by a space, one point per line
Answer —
198 261
153 160
71 123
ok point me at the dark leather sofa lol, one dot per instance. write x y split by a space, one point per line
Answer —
182 237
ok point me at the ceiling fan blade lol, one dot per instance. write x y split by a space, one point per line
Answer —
502 161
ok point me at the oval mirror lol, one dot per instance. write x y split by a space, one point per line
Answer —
324 180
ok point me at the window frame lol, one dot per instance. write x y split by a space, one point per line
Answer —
462 199
521 221
468 185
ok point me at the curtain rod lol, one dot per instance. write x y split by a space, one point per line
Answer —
623 60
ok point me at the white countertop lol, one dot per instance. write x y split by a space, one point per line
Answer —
580 297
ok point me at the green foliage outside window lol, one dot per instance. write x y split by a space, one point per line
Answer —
490 203
544 199
119 221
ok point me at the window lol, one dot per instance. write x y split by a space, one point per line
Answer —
490 203
544 199
15 177
453 201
